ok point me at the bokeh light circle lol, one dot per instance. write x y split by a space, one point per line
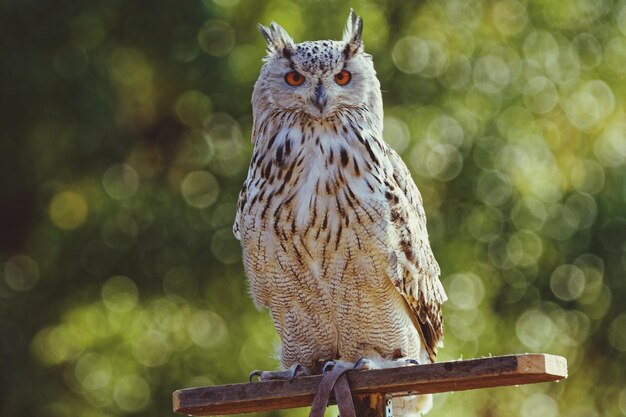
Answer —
131 393
590 105
491 74
509 17
207 329
458 74
535 330
588 49
193 108
444 162
21 273
529 213
540 47
120 293
120 181
445 130
538 404
563 67
437 60
410 54
494 188
68 210
396 133
200 189
216 37
152 348
93 371
465 290
615 54
567 282
617 333
540 95
610 147
244 62
196 150
588 176
225 247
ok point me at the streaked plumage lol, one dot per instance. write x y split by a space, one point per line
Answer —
331 223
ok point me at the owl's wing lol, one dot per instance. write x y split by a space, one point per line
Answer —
416 272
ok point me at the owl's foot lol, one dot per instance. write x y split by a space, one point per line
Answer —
293 372
379 363
366 364
338 364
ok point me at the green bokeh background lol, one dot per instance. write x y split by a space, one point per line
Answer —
126 137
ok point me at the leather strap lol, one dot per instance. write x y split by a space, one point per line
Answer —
337 380
344 397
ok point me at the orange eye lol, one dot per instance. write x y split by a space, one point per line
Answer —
343 77
294 78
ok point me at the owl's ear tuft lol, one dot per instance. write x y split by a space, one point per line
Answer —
278 40
352 34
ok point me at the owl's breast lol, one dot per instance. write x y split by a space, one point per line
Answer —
312 182
315 201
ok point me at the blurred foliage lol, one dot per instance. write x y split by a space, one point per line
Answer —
125 141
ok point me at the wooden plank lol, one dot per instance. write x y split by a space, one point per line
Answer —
369 405
422 379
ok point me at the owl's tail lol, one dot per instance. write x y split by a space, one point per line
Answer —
412 406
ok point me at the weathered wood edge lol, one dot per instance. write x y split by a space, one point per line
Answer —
424 379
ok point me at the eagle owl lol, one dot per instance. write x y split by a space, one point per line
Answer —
331 224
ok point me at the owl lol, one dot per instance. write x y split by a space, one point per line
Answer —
331 224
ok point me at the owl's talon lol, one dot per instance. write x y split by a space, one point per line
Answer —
362 364
255 373
411 361
328 366
293 372
298 369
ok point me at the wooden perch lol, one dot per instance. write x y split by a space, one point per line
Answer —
423 379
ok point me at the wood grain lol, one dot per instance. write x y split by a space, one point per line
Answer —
369 405
422 379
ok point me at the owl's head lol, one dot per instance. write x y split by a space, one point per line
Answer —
319 78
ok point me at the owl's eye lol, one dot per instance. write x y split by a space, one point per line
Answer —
343 77
294 78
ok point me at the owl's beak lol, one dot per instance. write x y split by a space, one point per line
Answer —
320 97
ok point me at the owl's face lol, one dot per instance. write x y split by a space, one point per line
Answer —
319 78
